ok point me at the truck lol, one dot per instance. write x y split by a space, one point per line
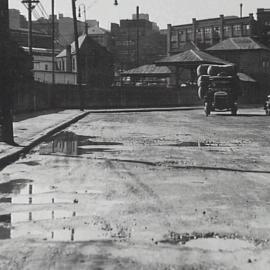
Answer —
219 88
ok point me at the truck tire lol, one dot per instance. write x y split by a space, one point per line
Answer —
202 92
214 70
203 80
202 69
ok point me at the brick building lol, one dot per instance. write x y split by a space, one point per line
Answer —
251 58
152 44
205 33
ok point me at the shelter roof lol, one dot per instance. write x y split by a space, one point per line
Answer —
190 58
238 43
148 70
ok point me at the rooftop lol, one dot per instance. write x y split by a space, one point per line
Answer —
190 58
238 43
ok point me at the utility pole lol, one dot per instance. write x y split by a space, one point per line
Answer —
6 119
30 7
137 36
51 90
53 47
77 52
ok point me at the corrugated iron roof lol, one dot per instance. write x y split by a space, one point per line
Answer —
191 58
238 43
148 70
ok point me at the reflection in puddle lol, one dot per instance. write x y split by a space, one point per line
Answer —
69 143
14 186
20 225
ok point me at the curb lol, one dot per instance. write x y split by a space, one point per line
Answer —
14 154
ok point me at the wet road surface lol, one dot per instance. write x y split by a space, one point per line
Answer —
152 190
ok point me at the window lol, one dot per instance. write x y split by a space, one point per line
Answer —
199 34
189 34
182 35
227 31
73 64
207 32
246 29
46 67
237 30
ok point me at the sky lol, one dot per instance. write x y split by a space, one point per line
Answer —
163 12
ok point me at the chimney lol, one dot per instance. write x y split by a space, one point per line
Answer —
68 59
241 10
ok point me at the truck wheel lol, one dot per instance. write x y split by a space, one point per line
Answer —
207 108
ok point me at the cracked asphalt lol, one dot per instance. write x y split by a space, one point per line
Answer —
142 190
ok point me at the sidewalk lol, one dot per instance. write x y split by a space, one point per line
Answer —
30 131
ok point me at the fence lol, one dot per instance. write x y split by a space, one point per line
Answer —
40 96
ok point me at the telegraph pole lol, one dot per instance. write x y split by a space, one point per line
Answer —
6 119
30 7
53 47
137 37
77 52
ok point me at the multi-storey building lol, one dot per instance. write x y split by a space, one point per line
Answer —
263 25
137 42
206 33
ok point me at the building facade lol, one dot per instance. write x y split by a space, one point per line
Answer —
96 64
206 33
137 43
251 58
101 36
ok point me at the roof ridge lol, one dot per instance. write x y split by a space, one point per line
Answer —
234 43
196 55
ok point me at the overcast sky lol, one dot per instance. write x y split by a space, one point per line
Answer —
160 11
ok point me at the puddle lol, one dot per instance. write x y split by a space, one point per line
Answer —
212 241
22 224
69 143
30 163
196 144
219 244
14 186
23 191
30 225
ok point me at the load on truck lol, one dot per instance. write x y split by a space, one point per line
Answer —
219 88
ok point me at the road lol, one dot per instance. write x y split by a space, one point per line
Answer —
145 190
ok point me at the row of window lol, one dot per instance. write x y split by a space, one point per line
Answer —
207 32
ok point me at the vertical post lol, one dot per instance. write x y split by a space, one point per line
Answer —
77 52
53 47
51 89
137 37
